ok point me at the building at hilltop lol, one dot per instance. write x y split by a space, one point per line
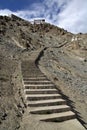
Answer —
39 21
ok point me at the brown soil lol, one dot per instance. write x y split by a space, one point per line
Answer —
63 60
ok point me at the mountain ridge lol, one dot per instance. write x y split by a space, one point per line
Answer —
63 60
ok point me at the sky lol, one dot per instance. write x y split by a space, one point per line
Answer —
68 14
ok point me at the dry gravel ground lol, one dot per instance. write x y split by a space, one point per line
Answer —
11 100
63 60
67 69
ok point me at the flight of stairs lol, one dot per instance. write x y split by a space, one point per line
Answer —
42 96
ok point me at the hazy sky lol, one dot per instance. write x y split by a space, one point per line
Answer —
68 14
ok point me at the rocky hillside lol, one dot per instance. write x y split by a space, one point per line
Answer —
63 60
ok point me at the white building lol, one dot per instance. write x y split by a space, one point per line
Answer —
39 21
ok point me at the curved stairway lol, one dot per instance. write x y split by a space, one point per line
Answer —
43 98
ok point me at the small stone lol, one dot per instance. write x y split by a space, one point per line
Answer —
4 116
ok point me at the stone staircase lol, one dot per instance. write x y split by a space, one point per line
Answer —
44 102
42 96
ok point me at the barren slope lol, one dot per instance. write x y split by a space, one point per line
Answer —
64 61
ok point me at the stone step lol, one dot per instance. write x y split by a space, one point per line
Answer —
33 68
40 81
46 102
29 68
34 76
35 79
37 82
57 117
40 91
30 72
39 86
49 109
34 97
